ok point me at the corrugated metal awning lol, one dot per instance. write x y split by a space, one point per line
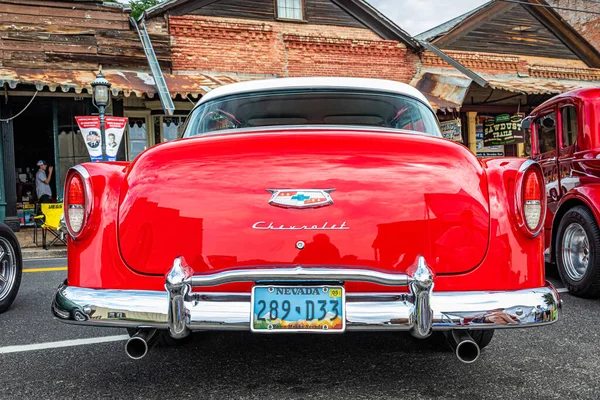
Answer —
444 92
123 82
533 85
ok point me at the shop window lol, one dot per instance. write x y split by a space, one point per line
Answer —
546 133
137 132
290 9
167 128
569 126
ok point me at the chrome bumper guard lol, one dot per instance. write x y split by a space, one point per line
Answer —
421 311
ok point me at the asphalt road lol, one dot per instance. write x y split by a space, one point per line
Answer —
561 361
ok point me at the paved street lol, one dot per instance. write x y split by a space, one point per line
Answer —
559 362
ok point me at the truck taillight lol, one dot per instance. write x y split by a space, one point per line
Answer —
531 198
77 201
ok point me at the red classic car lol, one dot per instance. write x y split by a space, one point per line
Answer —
308 205
565 139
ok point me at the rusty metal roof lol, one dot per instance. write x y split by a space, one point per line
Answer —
534 85
123 82
444 92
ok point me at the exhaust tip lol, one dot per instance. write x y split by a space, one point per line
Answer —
468 351
136 348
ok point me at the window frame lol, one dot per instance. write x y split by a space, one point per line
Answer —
149 130
303 9
161 133
192 120
546 112
561 107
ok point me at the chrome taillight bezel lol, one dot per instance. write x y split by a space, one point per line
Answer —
527 167
88 199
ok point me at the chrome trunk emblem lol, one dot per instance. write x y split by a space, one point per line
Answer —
300 198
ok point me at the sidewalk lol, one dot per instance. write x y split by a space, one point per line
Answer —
30 250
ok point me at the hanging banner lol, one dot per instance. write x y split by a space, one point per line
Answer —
90 131
114 134
452 130
503 129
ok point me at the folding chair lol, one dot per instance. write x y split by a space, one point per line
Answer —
50 218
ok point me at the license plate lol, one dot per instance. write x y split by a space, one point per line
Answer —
298 309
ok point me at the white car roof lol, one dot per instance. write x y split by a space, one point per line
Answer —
366 84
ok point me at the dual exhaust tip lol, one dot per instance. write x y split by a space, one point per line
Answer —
464 346
461 342
138 345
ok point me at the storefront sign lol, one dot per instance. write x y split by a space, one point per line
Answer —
489 151
503 129
90 130
479 132
452 130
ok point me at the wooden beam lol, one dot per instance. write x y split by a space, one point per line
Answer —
189 6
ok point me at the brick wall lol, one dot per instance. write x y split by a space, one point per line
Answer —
285 49
588 25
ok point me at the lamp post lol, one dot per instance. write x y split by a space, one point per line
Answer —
101 100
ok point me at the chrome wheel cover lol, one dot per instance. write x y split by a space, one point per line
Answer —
575 251
8 268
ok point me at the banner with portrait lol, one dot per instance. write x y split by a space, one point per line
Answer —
115 126
90 131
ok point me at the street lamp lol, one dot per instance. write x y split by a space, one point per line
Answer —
101 100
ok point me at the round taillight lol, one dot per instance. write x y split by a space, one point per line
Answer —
75 212
532 199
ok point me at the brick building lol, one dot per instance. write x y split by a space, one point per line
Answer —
262 38
583 15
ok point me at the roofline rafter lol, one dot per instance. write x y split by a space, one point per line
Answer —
547 16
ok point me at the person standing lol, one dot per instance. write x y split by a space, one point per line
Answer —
42 182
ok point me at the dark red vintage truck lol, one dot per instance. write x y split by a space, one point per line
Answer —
565 141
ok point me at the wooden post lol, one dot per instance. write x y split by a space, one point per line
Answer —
57 174
10 174
472 127
520 149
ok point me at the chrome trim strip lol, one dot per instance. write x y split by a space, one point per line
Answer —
299 274
364 311
317 128
421 311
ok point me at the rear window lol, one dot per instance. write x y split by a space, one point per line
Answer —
305 108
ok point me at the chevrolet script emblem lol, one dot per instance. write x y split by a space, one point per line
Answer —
300 198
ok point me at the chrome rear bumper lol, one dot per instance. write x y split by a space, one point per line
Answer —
421 311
